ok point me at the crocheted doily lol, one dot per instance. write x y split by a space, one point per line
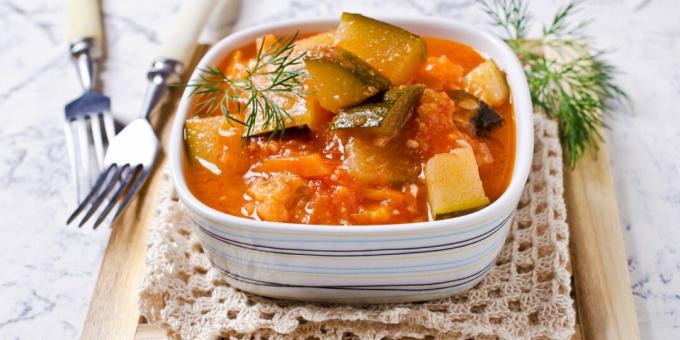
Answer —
527 294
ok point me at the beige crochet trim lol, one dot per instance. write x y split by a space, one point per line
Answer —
525 296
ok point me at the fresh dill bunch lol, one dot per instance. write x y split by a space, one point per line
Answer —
276 72
567 80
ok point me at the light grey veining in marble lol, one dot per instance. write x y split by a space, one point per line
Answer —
49 270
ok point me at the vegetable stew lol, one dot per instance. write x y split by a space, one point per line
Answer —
365 124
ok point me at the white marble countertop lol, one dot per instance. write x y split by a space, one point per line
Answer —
49 270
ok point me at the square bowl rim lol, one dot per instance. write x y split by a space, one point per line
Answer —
504 205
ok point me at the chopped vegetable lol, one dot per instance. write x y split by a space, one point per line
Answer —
453 183
202 136
384 118
371 163
276 195
479 114
487 83
302 111
340 79
307 166
395 52
440 73
321 39
485 120
214 143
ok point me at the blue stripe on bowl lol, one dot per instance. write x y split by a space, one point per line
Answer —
317 270
417 287
349 252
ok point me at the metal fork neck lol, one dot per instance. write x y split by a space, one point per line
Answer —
162 73
84 52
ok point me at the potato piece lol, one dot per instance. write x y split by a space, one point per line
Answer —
370 163
453 183
340 79
395 52
384 118
487 83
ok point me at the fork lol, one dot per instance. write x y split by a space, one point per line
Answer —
91 108
132 153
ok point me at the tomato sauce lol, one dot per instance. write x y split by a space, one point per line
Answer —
321 189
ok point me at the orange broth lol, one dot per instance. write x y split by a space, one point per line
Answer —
335 197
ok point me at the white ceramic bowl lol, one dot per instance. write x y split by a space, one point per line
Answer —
361 264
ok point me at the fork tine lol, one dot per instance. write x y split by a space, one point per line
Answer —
97 139
83 149
109 127
112 201
95 189
131 193
71 149
98 201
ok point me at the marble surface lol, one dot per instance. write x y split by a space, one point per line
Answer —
49 270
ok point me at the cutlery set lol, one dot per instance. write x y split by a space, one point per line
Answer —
114 166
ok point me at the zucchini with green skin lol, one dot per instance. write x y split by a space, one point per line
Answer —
340 79
475 111
371 163
395 52
384 118
215 143
202 136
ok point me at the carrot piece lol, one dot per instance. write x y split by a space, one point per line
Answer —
384 194
312 165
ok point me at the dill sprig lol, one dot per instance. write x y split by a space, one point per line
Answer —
567 80
276 72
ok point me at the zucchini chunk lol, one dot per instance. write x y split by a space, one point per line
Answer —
478 113
395 52
301 112
202 137
340 79
215 143
384 118
487 82
374 164
453 184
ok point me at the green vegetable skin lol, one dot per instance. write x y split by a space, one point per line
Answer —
341 79
384 118
474 110
395 52
369 163
201 136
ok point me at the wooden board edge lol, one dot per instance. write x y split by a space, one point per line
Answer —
604 300
113 312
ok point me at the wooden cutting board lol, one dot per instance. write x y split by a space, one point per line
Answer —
602 293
